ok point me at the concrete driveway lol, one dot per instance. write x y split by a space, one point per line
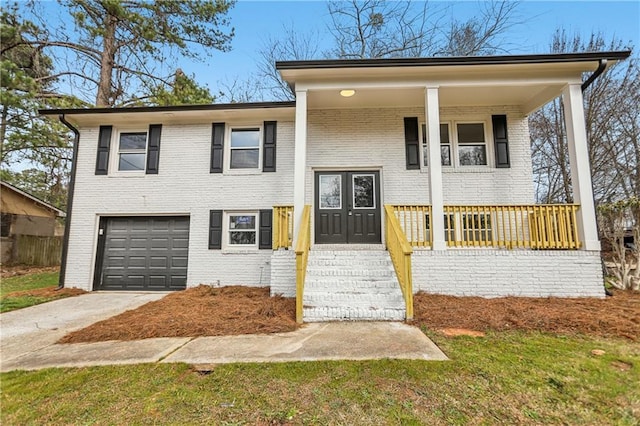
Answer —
32 329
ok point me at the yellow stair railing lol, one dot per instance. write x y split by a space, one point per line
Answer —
282 227
400 252
302 256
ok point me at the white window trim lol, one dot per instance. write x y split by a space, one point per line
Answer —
453 143
226 244
353 195
114 153
227 149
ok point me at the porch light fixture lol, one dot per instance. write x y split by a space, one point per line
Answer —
347 93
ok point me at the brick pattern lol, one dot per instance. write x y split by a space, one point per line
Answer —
283 273
374 138
351 285
183 186
497 273
348 139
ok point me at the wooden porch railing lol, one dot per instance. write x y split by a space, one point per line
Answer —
400 252
534 226
302 256
282 227
414 221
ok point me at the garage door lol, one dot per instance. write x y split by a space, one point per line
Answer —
142 253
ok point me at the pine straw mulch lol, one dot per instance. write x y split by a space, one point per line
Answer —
616 316
234 310
198 311
7 271
46 292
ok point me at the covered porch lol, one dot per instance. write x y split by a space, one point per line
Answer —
433 225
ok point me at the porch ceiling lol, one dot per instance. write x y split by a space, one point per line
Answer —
528 96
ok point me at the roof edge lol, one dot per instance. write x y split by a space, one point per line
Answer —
173 108
454 60
25 194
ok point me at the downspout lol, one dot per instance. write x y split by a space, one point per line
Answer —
65 241
601 67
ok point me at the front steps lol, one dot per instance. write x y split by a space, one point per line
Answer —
351 283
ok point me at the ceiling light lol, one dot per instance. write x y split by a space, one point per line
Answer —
347 93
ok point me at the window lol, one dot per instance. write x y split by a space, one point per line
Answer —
242 229
6 219
476 227
465 141
445 145
449 227
472 147
244 148
132 151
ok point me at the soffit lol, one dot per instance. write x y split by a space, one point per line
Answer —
119 117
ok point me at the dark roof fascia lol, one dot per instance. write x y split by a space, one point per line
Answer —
453 60
176 108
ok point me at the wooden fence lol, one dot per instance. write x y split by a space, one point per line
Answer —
37 251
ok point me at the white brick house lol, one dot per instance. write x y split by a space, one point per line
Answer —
427 158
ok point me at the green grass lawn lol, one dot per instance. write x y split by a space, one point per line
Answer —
25 282
504 378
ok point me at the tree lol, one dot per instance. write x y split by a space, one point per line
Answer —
612 117
183 91
381 29
28 138
618 221
117 43
293 46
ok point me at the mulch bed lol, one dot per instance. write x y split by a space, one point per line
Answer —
14 271
198 311
233 310
47 292
615 316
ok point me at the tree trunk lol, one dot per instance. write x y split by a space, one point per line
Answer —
103 99
3 132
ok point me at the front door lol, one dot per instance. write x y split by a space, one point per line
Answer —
347 207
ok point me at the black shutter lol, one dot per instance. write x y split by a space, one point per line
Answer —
217 147
104 142
215 229
266 238
412 143
153 148
501 141
269 147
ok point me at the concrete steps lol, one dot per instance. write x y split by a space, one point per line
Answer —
346 284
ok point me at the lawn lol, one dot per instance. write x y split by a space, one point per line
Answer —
21 291
510 377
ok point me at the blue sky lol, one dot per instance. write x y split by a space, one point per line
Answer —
255 21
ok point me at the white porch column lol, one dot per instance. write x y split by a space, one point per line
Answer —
580 169
432 116
300 161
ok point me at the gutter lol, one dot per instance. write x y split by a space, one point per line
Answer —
65 241
601 67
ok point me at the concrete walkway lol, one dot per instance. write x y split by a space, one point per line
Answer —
29 335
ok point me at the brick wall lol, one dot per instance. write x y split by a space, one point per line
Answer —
183 186
359 138
495 273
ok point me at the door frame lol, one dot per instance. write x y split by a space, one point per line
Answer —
343 169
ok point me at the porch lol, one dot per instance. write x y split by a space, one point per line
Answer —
484 245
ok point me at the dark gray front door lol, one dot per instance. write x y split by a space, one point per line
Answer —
347 207
142 253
